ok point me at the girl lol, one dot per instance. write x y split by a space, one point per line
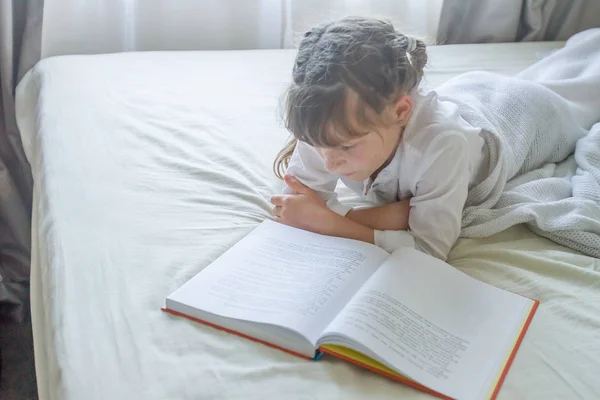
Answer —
357 115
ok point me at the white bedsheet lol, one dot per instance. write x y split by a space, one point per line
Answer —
148 166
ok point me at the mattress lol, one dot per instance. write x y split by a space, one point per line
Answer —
149 165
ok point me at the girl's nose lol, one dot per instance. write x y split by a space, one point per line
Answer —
333 162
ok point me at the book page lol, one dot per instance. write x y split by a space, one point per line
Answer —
433 323
283 276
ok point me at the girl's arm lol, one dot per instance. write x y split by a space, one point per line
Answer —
436 207
347 228
434 220
389 217
305 209
308 167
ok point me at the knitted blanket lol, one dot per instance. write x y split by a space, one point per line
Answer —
542 135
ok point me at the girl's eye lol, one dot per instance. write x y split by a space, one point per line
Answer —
346 148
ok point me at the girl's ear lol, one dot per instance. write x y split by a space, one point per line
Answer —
403 108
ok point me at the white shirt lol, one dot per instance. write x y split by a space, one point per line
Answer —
436 163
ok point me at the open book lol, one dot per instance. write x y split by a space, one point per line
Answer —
407 315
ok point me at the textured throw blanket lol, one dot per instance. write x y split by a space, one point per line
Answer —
542 131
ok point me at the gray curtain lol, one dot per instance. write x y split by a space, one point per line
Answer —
489 21
20 41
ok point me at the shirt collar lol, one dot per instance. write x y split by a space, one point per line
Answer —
390 172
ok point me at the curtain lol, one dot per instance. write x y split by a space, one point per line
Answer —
486 21
99 26
20 34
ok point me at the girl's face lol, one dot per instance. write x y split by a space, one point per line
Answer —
363 157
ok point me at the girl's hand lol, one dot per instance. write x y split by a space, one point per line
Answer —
304 209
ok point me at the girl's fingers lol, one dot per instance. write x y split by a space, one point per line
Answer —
277 200
277 211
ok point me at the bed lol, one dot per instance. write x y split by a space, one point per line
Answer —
149 165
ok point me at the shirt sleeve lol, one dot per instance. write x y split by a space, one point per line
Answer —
436 207
308 167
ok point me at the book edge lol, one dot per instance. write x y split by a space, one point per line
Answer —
178 314
515 349
397 378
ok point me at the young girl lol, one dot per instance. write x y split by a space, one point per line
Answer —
357 115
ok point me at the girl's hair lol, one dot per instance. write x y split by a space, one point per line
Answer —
363 55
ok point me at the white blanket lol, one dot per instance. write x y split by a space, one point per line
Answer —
543 140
